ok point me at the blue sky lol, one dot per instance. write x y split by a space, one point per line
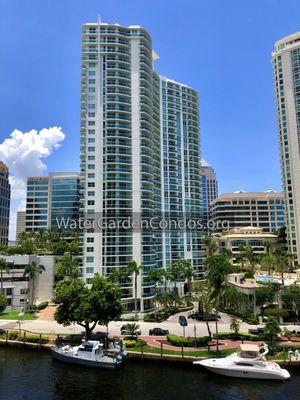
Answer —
220 48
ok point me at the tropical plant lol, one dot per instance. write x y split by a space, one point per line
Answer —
85 306
132 331
134 269
32 270
234 326
290 296
67 268
3 303
218 267
252 259
271 332
210 244
268 262
118 275
157 278
282 261
201 293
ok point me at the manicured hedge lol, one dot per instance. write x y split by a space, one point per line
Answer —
42 305
186 308
239 336
187 341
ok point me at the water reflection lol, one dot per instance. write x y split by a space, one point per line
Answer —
34 375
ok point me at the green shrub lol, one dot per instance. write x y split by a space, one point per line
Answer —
186 308
239 336
276 312
42 305
13 335
36 339
130 343
187 341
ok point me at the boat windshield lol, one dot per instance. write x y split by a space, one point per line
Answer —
247 354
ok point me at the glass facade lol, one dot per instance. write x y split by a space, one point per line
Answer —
122 149
4 203
286 67
51 198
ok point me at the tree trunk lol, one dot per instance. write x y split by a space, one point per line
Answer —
208 327
2 282
217 331
135 295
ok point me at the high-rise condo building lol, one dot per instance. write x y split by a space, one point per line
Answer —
139 159
243 209
286 66
209 189
4 203
20 223
51 198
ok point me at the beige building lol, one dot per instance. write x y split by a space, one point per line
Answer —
241 209
249 236
286 66
21 291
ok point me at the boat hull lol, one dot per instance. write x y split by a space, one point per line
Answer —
246 374
87 363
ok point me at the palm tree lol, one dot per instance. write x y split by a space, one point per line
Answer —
4 267
132 330
117 275
282 261
268 262
218 267
67 268
188 274
157 277
31 270
241 257
166 274
210 244
252 259
134 269
268 246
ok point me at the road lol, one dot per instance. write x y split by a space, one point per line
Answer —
171 325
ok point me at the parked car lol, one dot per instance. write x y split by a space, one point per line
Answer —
256 331
124 330
200 316
158 332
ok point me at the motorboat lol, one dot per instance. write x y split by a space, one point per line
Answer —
248 362
92 353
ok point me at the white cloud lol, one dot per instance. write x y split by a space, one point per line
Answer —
23 152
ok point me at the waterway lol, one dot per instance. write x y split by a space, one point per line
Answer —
33 375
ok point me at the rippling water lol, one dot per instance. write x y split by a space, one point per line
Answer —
33 375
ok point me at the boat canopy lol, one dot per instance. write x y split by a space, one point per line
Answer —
249 347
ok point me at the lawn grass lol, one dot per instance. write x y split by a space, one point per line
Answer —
199 353
14 315
283 355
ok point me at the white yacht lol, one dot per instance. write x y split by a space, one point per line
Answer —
91 353
248 362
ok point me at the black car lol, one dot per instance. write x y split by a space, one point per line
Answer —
256 331
200 316
158 332
124 329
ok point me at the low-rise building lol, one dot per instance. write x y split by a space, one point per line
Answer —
235 240
22 291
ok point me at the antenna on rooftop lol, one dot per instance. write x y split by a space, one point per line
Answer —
99 20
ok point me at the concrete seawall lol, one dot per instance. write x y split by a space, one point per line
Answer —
137 356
